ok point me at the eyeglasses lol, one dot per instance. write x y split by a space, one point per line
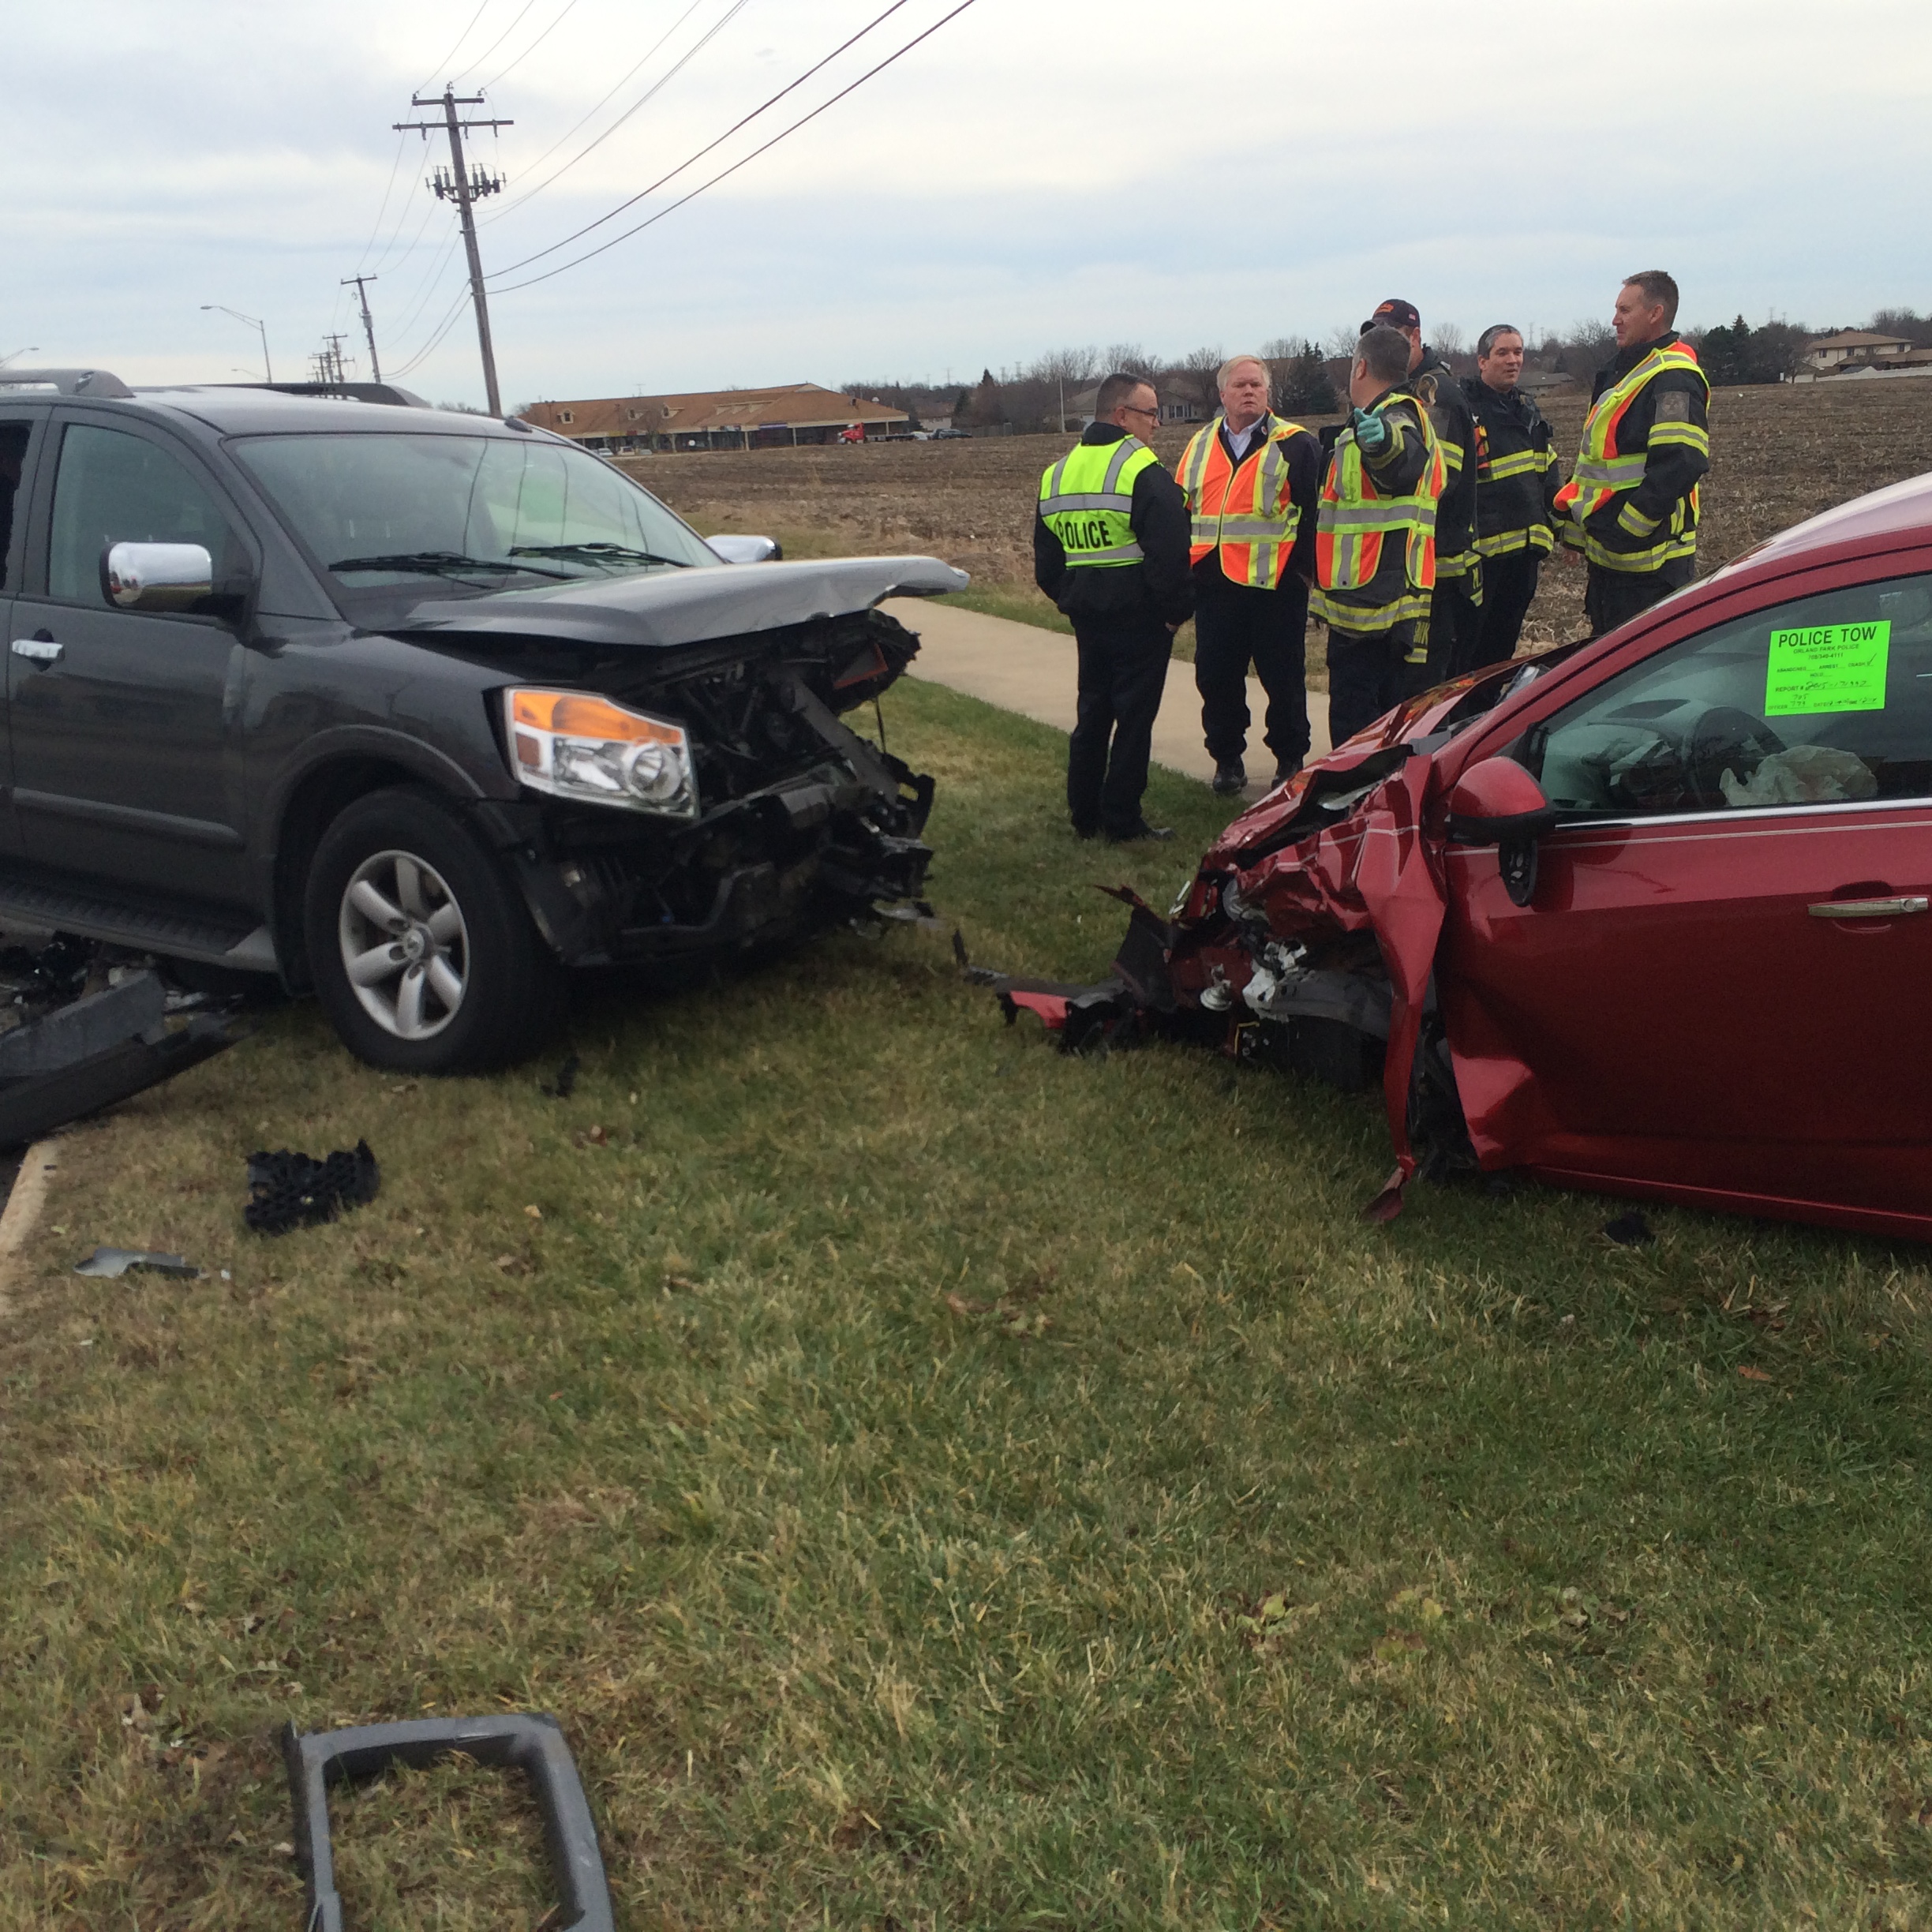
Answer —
1133 409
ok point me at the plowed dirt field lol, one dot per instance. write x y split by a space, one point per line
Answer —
1778 455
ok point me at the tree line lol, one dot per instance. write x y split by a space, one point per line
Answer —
1309 378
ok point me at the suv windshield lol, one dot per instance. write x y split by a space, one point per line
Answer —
459 515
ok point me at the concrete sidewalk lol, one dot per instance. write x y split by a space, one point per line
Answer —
1020 667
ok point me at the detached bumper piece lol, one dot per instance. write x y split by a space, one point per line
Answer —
1136 999
529 1743
104 1048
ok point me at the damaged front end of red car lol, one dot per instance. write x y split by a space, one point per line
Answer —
1307 940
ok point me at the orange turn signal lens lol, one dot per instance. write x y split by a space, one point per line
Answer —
575 714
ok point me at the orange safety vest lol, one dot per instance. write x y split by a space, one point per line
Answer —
1243 511
1602 473
1354 517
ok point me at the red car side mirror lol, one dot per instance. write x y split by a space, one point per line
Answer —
1497 803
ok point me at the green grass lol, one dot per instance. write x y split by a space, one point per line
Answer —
940 1484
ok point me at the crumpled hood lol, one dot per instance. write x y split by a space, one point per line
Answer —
691 605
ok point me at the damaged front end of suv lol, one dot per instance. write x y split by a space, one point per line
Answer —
705 797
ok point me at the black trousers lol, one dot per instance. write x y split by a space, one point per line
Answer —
1366 676
1454 620
1612 598
1235 624
1509 589
1123 671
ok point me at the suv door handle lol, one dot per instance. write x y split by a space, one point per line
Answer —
1850 908
41 650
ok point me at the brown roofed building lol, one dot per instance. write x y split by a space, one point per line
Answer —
731 419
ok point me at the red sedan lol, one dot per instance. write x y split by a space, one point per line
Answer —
1652 915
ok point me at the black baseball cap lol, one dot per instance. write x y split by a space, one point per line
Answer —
1394 313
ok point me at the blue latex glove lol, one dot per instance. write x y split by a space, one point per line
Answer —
1372 433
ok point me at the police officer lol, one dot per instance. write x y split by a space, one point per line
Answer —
1374 544
1251 479
1631 506
1516 482
1111 548
1455 605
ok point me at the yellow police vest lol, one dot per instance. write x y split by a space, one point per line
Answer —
1086 499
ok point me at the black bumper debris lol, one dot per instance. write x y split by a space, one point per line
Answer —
103 1048
289 1190
529 1743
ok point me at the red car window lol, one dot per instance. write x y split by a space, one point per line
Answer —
1825 699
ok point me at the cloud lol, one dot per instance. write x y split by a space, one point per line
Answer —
1031 176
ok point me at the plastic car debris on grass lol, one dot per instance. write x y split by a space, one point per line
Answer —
88 1039
290 1190
530 1742
112 1263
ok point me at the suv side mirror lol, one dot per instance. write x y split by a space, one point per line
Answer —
1497 803
157 576
737 550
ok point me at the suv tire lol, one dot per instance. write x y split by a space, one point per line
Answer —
423 953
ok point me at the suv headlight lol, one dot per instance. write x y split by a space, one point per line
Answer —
585 748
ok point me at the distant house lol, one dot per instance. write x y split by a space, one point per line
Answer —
1853 354
717 419
1174 408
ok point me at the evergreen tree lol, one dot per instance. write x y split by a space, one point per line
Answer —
1303 388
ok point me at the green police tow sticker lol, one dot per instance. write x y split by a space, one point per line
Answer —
1827 668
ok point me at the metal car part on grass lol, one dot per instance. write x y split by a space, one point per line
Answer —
531 1743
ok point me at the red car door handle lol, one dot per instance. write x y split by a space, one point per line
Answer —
1871 908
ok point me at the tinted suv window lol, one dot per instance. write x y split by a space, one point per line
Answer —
13 458
1823 700
112 488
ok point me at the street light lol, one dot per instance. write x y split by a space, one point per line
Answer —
253 324
32 348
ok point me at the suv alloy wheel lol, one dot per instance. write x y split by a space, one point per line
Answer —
421 951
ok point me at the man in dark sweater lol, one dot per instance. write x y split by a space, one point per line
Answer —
1111 548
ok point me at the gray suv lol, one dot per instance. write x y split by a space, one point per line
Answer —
418 710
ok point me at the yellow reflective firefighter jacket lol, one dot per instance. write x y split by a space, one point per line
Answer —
1632 501
1375 542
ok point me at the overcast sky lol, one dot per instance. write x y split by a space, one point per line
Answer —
1038 173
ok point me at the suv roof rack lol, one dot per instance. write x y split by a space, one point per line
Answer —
352 392
74 382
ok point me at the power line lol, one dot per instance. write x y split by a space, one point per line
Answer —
529 51
516 21
451 318
651 221
460 38
792 87
395 168
585 119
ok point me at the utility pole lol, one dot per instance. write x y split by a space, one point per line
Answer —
368 328
328 361
456 183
